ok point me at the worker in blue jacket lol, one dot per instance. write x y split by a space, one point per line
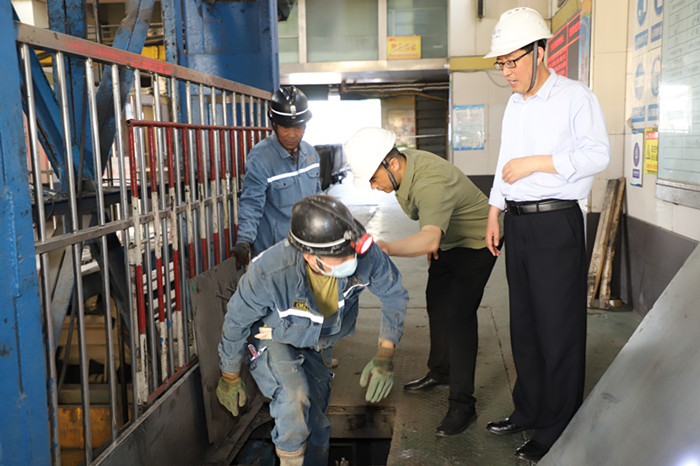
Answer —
296 300
280 170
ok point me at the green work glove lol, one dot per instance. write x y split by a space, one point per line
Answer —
231 392
380 374
241 250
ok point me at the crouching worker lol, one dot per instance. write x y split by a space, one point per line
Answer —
295 301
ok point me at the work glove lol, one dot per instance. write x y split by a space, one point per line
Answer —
231 392
241 250
380 374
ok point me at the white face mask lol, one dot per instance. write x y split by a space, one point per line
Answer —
342 270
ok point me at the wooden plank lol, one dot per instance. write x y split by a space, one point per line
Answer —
604 295
601 237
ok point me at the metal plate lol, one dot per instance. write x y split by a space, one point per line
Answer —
210 292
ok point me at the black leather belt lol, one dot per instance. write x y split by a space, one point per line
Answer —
533 207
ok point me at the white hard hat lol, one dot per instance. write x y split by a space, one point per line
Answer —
515 29
365 150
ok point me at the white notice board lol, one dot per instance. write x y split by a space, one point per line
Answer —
679 99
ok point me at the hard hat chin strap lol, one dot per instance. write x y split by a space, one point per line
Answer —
534 67
385 164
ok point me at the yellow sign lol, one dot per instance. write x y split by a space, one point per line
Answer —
403 47
651 150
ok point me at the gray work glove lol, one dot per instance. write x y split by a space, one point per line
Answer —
241 250
231 392
380 373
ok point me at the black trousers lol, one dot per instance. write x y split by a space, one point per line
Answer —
456 281
546 269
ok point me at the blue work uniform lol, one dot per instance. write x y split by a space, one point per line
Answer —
272 184
292 368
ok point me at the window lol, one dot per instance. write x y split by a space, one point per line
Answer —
425 18
288 32
342 30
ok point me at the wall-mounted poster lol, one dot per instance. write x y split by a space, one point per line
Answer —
403 123
468 131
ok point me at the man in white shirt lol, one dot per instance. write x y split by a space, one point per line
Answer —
554 140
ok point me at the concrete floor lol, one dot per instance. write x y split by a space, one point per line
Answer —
415 416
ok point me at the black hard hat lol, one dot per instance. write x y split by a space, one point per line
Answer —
289 107
322 225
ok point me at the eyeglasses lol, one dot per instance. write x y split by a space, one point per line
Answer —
509 63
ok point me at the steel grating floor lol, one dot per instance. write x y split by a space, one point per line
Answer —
415 416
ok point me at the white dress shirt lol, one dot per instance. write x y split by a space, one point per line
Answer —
564 120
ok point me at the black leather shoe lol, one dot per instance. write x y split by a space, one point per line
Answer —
531 451
504 427
456 420
423 384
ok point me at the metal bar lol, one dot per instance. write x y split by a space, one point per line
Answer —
49 116
136 260
213 192
123 173
147 265
188 203
44 259
214 196
106 293
162 330
204 226
215 155
67 239
236 168
193 180
202 208
226 174
168 124
176 318
76 255
183 347
51 40
166 328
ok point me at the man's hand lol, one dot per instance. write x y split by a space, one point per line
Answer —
521 167
493 231
380 374
241 250
231 392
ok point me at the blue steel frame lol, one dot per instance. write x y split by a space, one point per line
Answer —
24 429
68 17
233 40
